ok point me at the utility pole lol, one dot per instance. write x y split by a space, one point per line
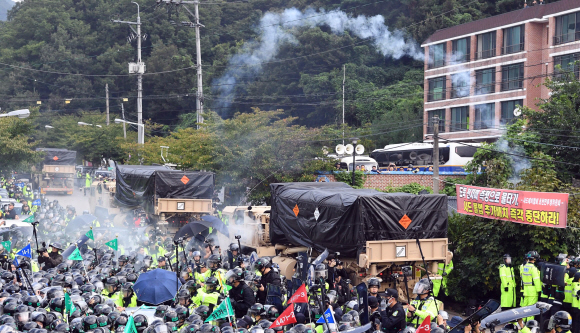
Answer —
139 69
196 25
124 128
343 81
107 94
436 155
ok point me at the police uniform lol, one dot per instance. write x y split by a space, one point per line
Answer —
508 286
393 318
437 283
423 308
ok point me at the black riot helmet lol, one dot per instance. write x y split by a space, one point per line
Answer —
140 322
560 319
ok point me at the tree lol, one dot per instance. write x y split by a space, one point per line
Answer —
479 244
557 122
17 151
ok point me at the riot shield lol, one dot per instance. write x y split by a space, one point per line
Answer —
553 274
313 264
363 303
478 316
274 297
513 315
302 266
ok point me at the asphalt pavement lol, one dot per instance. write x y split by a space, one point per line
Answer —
77 200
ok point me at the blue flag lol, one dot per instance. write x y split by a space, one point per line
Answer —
15 262
329 317
25 252
36 202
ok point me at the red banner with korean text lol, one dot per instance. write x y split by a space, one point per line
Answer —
535 208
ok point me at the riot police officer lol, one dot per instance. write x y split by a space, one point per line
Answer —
269 276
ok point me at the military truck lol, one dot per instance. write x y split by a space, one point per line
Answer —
169 197
58 171
373 233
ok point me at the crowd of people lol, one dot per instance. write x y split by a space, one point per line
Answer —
34 291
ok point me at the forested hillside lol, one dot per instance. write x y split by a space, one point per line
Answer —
290 60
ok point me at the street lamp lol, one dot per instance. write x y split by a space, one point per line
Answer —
24 113
87 124
48 126
354 141
121 121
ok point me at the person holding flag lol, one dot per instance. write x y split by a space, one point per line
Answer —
50 260
241 294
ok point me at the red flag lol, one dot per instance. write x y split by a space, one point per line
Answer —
425 326
286 318
300 296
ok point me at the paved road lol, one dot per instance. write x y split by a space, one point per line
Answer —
77 200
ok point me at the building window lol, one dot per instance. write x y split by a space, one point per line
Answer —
459 119
507 111
485 45
437 89
484 116
513 40
567 28
461 50
485 81
568 64
460 85
441 115
437 55
512 77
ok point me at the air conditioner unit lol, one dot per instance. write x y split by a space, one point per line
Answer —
136 68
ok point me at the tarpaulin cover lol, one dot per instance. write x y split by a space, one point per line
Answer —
140 184
132 182
174 184
56 156
342 219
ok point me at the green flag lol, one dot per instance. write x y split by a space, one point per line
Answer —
69 307
112 244
7 245
29 219
90 234
130 326
223 311
76 255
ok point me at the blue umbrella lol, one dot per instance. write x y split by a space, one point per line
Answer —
156 286
217 223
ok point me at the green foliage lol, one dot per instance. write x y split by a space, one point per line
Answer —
413 188
449 189
346 177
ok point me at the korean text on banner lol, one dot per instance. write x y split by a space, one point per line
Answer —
534 208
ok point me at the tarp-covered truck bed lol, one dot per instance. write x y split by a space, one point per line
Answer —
138 184
56 156
343 219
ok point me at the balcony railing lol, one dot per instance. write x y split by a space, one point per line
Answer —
437 96
460 92
512 48
441 127
437 63
485 54
567 38
482 89
512 84
479 125
457 127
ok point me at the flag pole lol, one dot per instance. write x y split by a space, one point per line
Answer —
229 315
83 262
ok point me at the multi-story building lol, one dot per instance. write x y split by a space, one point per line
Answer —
477 73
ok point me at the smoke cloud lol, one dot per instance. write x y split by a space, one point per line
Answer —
518 163
277 29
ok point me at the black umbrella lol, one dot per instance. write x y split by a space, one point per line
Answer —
192 229
80 222
217 223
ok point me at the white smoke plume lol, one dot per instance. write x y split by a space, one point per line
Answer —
518 163
277 28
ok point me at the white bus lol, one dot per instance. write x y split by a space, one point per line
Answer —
452 156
